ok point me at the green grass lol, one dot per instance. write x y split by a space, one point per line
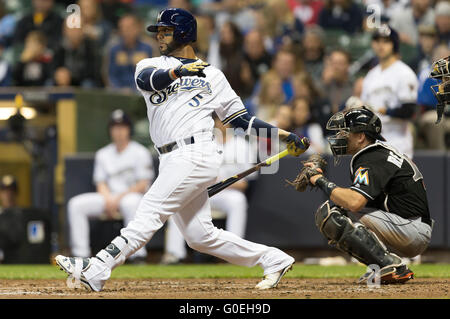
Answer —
214 271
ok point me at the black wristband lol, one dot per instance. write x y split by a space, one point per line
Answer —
177 71
325 185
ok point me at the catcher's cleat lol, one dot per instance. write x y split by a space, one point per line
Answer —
399 276
75 268
272 280
389 275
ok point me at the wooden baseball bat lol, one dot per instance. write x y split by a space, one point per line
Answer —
214 189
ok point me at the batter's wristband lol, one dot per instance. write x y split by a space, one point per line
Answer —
325 185
174 74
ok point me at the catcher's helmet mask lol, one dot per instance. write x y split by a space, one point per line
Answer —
442 93
183 22
440 70
355 120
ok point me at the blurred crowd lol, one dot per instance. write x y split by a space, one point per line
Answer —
293 62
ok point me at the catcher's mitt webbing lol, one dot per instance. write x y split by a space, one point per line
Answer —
301 182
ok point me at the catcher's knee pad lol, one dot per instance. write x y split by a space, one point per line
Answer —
331 222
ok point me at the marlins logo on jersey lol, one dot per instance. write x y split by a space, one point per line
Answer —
361 176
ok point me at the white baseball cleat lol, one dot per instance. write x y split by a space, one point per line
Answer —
75 268
272 280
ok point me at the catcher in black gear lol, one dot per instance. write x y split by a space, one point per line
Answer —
384 213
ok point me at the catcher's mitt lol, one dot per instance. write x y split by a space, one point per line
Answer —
316 165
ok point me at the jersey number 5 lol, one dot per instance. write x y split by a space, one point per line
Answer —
196 100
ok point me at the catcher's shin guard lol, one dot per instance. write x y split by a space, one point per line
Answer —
354 239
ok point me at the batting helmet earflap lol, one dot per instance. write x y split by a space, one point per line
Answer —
385 31
120 117
183 21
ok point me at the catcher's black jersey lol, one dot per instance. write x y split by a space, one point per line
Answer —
390 181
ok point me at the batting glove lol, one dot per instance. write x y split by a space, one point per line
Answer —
191 69
296 145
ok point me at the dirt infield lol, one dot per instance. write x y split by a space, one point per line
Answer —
226 289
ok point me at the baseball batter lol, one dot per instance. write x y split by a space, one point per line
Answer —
238 156
181 93
123 170
390 89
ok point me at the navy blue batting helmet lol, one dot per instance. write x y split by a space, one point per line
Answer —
183 21
385 31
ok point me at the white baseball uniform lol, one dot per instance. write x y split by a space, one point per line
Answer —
390 88
119 171
183 110
238 156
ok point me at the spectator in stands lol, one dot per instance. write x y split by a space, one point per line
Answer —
406 21
76 61
34 67
206 34
428 40
386 8
336 82
43 18
306 11
279 25
210 36
242 13
270 96
442 11
283 117
320 107
123 56
235 68
313 44
113 10
5 68
183 4
256 55
343 15
7 25
94 26
123 171
286 65
305 126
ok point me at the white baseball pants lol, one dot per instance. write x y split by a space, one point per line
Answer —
92 205
229 201
180 191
